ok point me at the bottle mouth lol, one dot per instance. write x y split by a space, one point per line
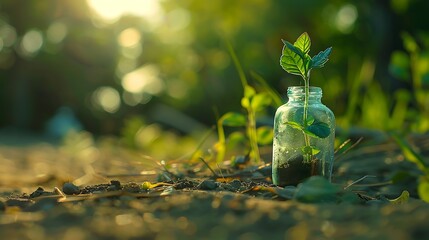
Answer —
298 90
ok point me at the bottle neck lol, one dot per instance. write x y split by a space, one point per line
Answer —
297 94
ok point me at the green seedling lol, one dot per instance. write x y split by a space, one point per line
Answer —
411 155
253 102
296 60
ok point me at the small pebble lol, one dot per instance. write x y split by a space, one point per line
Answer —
2 206
39 191
70 189
208 185
116 184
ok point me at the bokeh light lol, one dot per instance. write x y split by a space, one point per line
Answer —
144 79
129 37
132 52
178 19
31 43
133 99
7 34
112 10
106 98
56 32
346 18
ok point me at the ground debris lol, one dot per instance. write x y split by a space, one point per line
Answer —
231 204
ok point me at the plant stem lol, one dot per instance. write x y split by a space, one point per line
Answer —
251 132
251 125
221 143
306 97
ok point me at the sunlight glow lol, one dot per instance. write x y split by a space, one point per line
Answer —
144 79
56 32
346 18
132 52
112 10
178 19
133 99
31 42
129 37
7 34
107 98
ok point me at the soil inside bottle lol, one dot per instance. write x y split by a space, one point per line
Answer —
296 171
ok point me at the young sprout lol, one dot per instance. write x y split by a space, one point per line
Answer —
296 60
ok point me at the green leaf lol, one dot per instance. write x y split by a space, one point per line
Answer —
310 120
310 133
310 150
318 129
264 135
292 60
233 119
287 192
399 65
245 102
321 58
307 62
303 43
403 198
293 48
260 101
409 42
249 91
423 189
316 189
236 139
295 125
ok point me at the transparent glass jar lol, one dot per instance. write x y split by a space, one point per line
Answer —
303 144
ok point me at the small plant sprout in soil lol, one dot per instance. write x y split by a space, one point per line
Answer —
304 120
295 60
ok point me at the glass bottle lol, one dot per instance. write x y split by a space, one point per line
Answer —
304 136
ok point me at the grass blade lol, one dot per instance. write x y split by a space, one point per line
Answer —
410 154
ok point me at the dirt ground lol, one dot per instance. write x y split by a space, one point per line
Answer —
102 192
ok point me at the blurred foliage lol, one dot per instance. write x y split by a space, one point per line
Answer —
253 103
170 66
157 143
412 67
416 158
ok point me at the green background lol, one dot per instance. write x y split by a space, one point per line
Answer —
59 53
